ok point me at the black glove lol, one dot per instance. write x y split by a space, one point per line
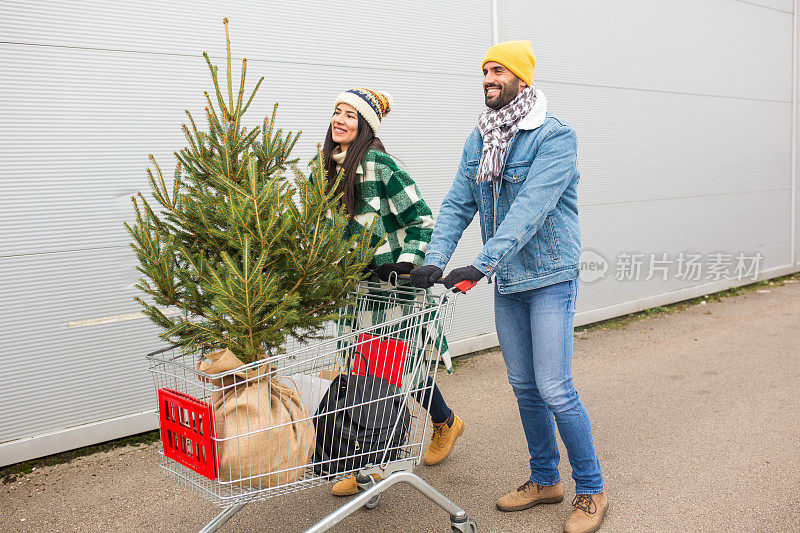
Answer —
368 270
460 274
425 276
385 270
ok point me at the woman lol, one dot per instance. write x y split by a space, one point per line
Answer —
374 187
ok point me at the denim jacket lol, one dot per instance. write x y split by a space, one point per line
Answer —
529 218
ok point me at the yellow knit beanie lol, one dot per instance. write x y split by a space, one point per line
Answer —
516 56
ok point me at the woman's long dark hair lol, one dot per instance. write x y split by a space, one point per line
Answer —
348 187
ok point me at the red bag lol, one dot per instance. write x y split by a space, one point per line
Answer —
384 358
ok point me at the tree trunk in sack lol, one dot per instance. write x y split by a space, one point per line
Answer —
266 434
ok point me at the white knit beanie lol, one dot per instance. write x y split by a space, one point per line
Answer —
372 105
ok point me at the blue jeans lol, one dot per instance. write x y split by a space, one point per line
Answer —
438 409
535 329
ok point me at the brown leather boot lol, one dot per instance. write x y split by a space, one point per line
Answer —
349 486
590 509
442 440
531 494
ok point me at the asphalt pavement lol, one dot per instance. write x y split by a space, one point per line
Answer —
695 413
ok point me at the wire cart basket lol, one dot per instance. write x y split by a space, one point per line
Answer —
349 404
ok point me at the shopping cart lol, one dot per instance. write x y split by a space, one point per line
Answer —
360 389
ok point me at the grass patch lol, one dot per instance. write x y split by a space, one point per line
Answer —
624 320
12 473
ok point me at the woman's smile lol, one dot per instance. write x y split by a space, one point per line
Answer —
344 125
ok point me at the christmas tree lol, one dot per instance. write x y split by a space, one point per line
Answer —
241 245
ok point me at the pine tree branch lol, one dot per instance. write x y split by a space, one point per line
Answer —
252 95
229 248
214 79
228 57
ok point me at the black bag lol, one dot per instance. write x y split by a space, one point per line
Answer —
360 432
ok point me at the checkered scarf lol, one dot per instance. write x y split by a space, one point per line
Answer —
497 128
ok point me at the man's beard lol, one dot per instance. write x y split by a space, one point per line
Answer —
507 93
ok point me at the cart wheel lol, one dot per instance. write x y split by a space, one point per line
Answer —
365 483
373 503
470 526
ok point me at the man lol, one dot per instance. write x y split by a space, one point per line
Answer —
519 171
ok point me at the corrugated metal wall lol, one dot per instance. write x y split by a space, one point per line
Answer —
683 111
90 88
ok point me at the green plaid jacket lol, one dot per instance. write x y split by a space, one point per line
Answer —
392 199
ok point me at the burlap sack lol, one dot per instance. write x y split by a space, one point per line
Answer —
266 435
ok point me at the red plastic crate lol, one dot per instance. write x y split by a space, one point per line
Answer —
187 431
385 358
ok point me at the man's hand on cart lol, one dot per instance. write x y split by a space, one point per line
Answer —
457 276
425 276
384 271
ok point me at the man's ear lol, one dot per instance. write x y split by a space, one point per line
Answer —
522 85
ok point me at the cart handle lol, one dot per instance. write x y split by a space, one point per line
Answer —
465 285
462 286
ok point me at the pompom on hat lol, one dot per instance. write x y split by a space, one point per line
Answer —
516 56
372 105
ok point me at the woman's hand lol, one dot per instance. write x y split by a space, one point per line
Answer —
384 271
368 270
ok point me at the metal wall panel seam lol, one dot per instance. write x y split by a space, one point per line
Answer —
497 9
112 247
693 197
388 69
659 91
762 5
250 60
91 322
